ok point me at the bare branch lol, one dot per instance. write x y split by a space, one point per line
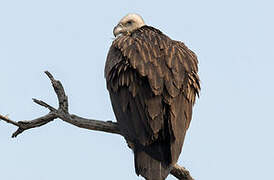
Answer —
91 124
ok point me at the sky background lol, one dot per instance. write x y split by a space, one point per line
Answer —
232 130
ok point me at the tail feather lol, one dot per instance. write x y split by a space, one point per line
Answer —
149 167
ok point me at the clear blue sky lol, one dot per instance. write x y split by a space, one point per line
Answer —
231 134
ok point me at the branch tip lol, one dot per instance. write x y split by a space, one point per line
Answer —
6 119
17 132
50 76
42 103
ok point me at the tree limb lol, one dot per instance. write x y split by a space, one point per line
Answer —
62 112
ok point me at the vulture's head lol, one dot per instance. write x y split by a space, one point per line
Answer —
128 24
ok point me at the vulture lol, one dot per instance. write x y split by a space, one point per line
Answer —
152 82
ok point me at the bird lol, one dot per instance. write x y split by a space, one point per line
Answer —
153 82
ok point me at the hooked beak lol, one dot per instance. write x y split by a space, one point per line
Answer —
117 30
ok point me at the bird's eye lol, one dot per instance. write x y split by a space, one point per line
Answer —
129 22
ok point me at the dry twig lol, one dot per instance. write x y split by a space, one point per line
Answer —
62 113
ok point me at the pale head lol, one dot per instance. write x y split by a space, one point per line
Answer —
128 24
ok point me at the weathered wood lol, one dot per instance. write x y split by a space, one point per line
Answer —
91 124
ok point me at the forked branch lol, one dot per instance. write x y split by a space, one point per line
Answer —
91 124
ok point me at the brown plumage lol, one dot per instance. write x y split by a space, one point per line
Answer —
152 82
